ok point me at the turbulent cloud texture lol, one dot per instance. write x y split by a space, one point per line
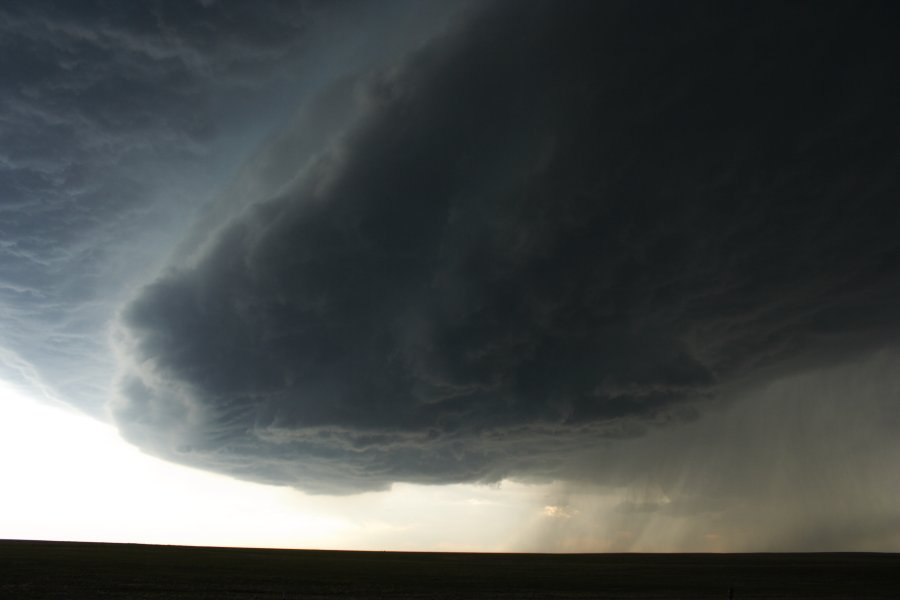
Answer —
117 121
548 228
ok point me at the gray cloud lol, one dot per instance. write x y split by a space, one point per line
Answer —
118 122
550 228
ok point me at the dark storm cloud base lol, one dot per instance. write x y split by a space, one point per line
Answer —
547 229
48 570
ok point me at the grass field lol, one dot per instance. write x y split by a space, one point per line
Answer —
79 570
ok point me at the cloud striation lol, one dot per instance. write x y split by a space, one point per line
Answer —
551 227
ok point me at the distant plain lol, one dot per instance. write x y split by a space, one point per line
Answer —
82 570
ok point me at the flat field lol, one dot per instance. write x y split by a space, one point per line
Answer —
79 570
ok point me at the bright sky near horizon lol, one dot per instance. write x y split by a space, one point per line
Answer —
102 489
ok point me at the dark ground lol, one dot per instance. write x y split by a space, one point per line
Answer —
79 570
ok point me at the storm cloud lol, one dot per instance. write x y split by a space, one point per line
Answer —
550 228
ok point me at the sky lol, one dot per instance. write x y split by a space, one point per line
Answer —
462 275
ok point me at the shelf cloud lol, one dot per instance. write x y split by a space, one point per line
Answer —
543 232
